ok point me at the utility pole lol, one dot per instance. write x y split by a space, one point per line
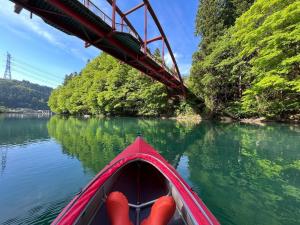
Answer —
7 73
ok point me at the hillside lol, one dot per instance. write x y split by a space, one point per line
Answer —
23 94
248 65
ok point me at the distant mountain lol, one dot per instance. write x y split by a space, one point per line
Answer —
23 94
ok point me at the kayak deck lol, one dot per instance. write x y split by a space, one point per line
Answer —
141 183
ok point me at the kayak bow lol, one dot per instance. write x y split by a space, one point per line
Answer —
143 176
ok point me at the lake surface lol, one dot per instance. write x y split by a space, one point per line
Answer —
245 174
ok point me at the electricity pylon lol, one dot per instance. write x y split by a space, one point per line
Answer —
7 73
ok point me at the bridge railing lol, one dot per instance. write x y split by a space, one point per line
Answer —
172 72
122 27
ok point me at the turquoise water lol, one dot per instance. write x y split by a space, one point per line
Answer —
245 174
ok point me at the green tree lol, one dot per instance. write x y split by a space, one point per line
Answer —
272 50
214 17
69 77
253 68
106 86
157 55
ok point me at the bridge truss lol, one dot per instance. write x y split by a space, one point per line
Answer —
85 20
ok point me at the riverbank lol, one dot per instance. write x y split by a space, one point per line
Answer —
261 120
24 111
188 118
192 118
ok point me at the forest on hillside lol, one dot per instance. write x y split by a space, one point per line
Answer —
247 65
248 62
23 94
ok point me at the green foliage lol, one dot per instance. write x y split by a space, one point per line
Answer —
106 86
184 108
214 17
271 96
69 77
157 55
23 94
253 68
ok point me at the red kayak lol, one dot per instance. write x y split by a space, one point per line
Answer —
142 175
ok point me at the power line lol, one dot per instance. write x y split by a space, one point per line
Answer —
34 76
24 68
18 61
30 70
27 74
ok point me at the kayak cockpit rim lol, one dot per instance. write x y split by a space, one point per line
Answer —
182 207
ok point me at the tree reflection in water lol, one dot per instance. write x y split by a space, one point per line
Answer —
248 174
95 142
245 174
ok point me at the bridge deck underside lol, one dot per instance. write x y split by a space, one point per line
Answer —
73 18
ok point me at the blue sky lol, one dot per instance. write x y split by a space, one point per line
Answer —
42 54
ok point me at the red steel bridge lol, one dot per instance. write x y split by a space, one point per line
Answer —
113 34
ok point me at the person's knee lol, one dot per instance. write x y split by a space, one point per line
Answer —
118 209
161 212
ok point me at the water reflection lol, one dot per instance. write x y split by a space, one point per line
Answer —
97 141
245 174
17 129
248 174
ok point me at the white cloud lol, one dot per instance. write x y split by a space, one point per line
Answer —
38 28
15 31
22 22
168 58
185 69
78 53
23 26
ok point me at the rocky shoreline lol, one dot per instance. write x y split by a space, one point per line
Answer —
261 120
